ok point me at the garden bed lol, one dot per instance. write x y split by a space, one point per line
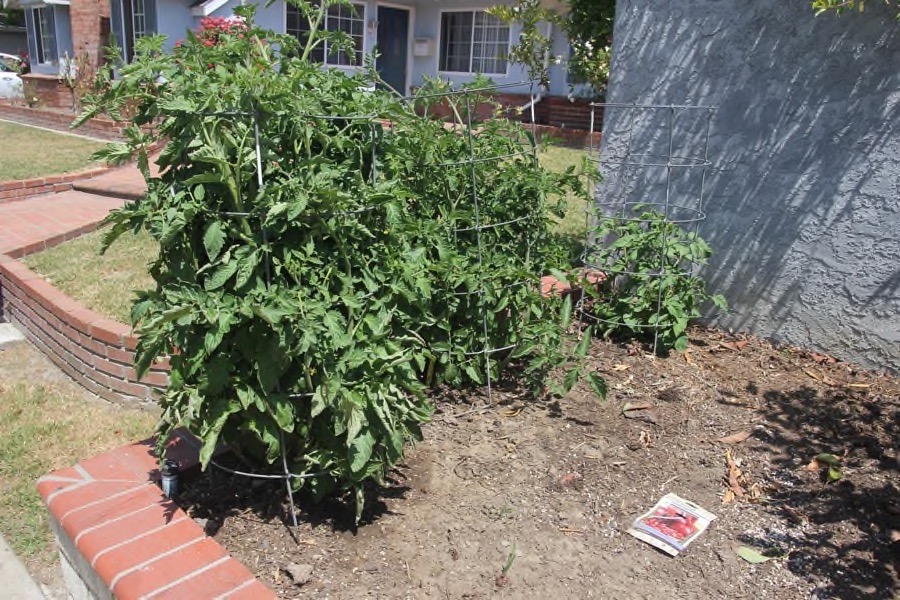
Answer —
557 485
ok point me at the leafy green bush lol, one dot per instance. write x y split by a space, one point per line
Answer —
650 288
309 289
485 202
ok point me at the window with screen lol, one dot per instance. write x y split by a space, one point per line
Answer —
473 42
349 19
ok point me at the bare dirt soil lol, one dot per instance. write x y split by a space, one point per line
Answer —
553 487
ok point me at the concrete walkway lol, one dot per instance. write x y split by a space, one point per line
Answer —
15 581
29 224
26 226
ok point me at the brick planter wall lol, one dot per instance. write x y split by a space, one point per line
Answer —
49 90
60 120
23 188
554 111
95 351
119 537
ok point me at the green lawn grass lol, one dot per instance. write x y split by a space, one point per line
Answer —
103 283
30 152
559 158
47 423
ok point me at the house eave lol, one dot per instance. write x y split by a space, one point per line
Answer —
40 3
204 9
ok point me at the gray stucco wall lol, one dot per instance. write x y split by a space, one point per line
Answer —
803 201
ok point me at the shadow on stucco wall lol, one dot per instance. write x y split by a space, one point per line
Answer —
803 199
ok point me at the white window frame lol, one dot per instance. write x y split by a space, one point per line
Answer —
360 16
440 49
41 36
142 32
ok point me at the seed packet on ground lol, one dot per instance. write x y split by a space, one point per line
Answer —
671 524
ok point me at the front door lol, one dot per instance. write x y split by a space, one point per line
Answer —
393 44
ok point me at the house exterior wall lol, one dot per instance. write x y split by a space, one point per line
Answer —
803 201
427 23
174 19
63 32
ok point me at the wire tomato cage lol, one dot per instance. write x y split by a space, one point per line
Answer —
499 328
479 226
653 159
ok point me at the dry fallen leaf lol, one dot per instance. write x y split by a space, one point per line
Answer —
812 374
822 358
728 496
734 475
859 386
621 367
640 410
735 438
736 346
796 516
687 357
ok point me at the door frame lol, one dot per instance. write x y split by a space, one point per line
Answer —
410 36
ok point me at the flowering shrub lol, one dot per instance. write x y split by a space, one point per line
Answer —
215 30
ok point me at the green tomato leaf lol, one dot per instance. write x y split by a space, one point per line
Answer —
213 239
220 276
283 412
834 474
210 433
597 384
360 451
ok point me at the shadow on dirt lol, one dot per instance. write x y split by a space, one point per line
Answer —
215 496
846 531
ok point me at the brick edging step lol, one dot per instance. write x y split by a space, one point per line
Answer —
120 537
21 189
95 351
101 128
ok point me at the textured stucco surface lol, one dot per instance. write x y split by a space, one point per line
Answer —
803 199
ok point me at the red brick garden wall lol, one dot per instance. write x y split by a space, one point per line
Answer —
553 111
95 351
119 536
48 90
23 188
61 119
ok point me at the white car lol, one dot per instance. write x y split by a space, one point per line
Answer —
10 82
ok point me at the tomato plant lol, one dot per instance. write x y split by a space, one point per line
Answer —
652 290
319 261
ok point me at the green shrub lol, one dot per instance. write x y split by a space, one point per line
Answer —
651 290
309 289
